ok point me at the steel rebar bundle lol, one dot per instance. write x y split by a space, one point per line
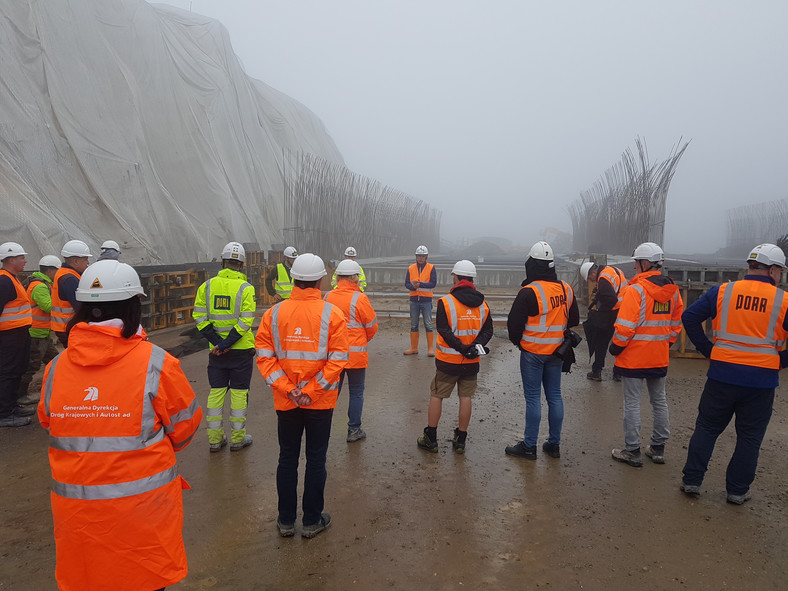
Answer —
626 206
749 225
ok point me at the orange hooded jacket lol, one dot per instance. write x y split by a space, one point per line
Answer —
362 323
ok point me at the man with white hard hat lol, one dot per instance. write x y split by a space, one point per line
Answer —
110 251
278 282
350 255
602 312
15 321
76 258
750 327
420 281
42 349
224 311
465 327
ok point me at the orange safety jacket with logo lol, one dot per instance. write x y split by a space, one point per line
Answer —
544 333
466 323
62 310
16 313
117 410
362 322
425 276
617 280
747 329
648 322
302 342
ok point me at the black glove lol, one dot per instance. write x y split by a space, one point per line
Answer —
471 352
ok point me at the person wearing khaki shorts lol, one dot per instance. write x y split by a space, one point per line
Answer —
464 328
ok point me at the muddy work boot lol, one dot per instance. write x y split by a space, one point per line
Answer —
429 440
355 435
656 453
310 531
458 441
286 530
631 458
247 441
521 450
214 447
691 490
594 376
738 499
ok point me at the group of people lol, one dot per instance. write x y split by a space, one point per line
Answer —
117 407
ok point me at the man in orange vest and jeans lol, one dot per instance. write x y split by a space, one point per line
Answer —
302 348
76 258
15 322
421 280
750 328
464 328
648 323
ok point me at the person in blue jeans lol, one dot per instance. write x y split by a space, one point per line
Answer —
420 281
543 309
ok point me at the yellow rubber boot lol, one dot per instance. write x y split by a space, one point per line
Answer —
430 344
414 344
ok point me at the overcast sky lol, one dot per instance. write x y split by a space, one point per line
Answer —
500 113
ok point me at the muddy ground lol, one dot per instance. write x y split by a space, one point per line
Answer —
407 519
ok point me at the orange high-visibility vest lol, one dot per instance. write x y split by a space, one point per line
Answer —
62 311
41 319
362 323
16 313
302 342
114 427
544 333
466 323
646 326
748 328
423 276
616 278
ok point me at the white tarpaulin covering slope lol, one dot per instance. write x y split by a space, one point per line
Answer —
135 122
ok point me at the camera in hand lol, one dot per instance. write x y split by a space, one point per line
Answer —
571 340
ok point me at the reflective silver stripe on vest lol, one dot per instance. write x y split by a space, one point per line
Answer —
354 322
370 324
148 436
768 341
448 350
325 384
185 415
101 492
642 316
541 326
745 349
651 337
358 349
279 373
266 353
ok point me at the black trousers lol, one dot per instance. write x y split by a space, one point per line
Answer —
603 325
14 358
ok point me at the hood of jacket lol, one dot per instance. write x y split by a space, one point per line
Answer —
100 344
467 294
662 291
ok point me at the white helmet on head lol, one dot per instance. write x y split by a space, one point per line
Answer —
768 254
290 252
348 267
649 251
49 260
75 248
464 268
110 244
541 251
421 249
350 252
11 249
108 281
233 251
585 269
308 267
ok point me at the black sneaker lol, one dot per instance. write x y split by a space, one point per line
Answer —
594 376
656 453
552 449
458 441
521 450
310 531
425 442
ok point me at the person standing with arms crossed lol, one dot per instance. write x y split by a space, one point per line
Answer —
421 280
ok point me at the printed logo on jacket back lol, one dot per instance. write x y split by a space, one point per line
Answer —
92 394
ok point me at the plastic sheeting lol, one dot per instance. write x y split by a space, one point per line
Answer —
135 122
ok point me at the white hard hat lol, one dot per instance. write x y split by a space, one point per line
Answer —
49 260
11 249
308 267
584 269
768 254
108 281
541 251
350 252
233 251
110 244
649 251
422 250
75 248
464 268
348 267
291 252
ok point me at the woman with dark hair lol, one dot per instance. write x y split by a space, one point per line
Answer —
117 408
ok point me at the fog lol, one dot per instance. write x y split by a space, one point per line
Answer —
501 113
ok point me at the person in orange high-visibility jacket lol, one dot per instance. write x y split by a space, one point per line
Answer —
542 311
602 312
117 408
362 324
648 323
750 329
302 348
15 322
464 327
420 282
76 257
